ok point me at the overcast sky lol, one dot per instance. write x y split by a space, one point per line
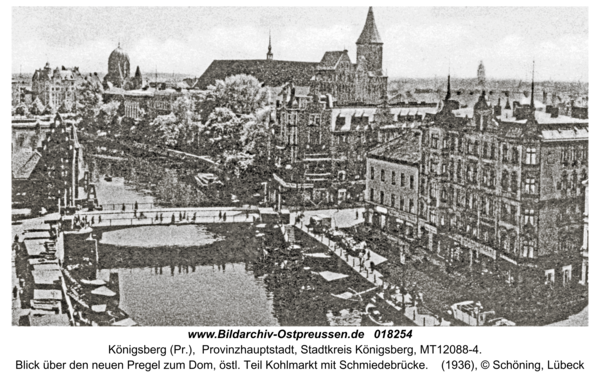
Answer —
418 42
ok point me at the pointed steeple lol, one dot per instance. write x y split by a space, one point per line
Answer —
448 92
507 106
370 34
269 53
138 73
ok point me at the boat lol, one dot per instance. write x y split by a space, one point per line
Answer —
375 315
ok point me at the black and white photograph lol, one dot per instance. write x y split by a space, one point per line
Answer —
383 166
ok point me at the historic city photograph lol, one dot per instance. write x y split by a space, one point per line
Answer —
296 166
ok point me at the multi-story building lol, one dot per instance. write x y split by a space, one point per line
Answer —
56 88
392 190
503 191
321 147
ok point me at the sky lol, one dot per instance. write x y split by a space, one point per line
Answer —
418 42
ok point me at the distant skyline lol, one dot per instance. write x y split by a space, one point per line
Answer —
418 42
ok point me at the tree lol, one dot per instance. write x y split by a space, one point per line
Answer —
242 94
88 106
236 117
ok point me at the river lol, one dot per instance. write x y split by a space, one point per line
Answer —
213 275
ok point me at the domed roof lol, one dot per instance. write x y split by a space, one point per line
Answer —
118 55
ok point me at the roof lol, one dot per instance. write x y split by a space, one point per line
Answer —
574 134
35 247
330 59
270 72
24 162
46 277
370 34
47 294
406 148
49 320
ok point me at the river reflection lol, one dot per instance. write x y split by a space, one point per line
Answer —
215 275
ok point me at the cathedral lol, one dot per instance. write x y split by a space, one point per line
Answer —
119 72
361 82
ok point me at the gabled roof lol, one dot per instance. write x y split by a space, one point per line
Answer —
271 73
330 60
370 34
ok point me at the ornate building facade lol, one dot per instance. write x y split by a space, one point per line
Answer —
503 192
55 88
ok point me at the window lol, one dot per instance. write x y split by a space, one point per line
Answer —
372 173
383 175
371 195
515 155
485 149
459 171
566 273
393 177
513 182
434 141
530 156
529 216
381 197
412 182
530 186
411 206
504 153
549 274
402 203
492 151
402 180
393 200
504 182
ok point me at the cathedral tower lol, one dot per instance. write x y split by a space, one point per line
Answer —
370 46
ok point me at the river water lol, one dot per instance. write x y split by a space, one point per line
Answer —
213 275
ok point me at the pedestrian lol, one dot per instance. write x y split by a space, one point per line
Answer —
156 217
136 205
368 254
15 292
123 208
99 219
224 217
92 220
173 218
161 217
357 215
220 215
194 218
372 266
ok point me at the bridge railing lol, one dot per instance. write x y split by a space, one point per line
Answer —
127 206
240 218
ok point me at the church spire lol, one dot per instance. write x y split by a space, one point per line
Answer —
370 34
269 53
449 92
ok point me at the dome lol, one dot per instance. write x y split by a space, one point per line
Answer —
118 55
118 67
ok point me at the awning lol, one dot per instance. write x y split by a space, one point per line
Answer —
103 291
99 308
95 282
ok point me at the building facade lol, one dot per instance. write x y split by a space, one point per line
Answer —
55 88
503 192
